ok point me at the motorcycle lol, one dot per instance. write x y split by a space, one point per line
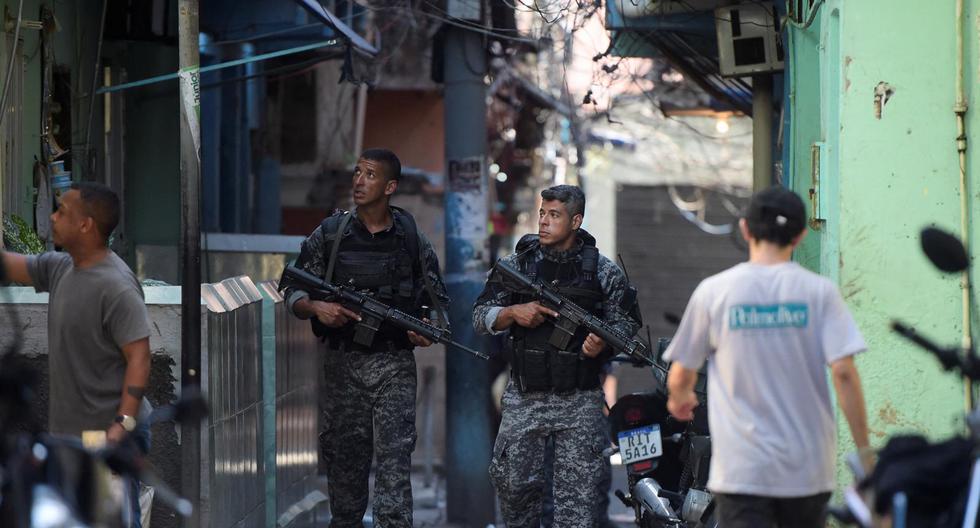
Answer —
915 483
52 481
666 460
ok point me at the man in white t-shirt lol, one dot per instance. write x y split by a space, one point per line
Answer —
769 328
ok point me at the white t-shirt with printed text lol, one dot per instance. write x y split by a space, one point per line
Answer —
768 333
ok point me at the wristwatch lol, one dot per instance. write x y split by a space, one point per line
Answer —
128 422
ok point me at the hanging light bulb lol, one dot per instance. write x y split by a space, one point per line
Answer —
721 125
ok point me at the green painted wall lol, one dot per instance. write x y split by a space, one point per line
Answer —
73 43
31 110
152 148
882 181
803 83
151 202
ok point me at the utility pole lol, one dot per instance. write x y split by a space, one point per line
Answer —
470 498
761 131
190 245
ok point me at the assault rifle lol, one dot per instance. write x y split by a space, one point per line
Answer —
570 315
372 311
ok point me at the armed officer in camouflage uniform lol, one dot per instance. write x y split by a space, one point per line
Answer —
554 393
369 393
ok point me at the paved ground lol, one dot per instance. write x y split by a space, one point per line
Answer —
430 503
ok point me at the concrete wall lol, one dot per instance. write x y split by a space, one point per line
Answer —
884 176
667 257
410 122
650 149
311 182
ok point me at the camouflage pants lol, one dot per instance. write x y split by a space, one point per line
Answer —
576 423
605 483
369 409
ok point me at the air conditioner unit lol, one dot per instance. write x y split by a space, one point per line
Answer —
749 40
642 8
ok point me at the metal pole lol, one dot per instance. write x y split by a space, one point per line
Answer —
761 131
89 158
468 436
960 108
190 245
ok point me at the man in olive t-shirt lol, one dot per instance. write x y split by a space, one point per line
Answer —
93 313
98 332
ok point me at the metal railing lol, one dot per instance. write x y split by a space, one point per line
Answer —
260 373
292 360
233 491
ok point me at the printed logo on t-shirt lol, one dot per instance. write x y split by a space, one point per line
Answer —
783 315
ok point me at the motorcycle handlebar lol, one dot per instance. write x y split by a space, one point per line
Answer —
125 459
951 358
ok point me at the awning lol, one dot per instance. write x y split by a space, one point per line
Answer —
687 41
328 18
506 73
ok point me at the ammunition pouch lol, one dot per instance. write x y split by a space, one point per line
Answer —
558 371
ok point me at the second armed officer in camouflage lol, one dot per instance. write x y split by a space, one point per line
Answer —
554 393
368 399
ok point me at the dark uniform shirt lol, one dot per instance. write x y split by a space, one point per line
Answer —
315 252
611 278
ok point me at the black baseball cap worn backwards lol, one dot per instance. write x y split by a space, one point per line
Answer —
779 207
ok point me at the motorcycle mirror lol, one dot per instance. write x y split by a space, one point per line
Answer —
191 406
944 250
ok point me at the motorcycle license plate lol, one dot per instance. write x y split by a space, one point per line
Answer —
640 444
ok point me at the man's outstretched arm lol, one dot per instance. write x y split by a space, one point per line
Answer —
13 268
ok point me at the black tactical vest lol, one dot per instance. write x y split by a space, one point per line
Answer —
383 265
537 365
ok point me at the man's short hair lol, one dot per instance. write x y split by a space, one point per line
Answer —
101 203
570 195
392 165
777 215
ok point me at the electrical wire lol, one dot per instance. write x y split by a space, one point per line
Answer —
446 16
717 18
10 64
287 70
691 127
252 38
474 27
544 16
811 16
695 212
95 82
